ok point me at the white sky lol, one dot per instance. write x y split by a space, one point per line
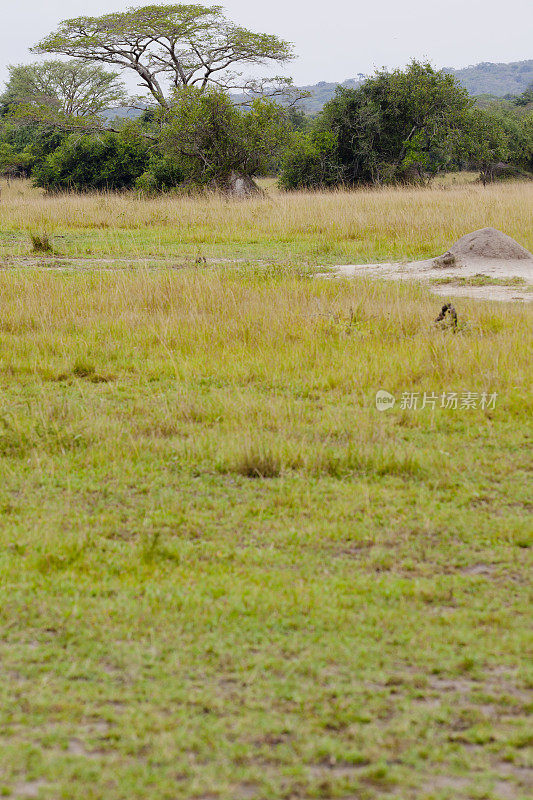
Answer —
334 39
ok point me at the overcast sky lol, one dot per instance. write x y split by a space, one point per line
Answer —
335 39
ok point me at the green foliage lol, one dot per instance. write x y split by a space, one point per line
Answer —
526 98
486 140
310 161
43 140
95 161
494 136
298 119
22 147
188 44
394 122
210 138
12 163
519 133
70 87
163 172
528 135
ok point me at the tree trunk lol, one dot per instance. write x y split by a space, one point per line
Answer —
238 185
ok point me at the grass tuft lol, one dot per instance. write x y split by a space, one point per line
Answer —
255 462
83 369
41 243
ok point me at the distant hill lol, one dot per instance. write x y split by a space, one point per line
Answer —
497 80
122 112
486 78
322 92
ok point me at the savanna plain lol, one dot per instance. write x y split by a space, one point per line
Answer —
224 573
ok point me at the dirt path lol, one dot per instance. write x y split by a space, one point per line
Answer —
487 279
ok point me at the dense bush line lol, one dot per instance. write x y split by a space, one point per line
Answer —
401 126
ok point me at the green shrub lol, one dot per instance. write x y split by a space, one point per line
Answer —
163 173
95 162
310 162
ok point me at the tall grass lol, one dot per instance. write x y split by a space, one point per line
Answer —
367 224
246 374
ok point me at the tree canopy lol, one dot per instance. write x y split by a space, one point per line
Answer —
499 142
173 46
215 143
394 123
397 120
70 87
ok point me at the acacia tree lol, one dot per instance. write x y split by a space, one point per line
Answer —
68 87
173 46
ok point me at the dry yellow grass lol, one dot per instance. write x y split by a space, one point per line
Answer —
367 224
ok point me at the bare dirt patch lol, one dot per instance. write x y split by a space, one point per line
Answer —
487 256
28 788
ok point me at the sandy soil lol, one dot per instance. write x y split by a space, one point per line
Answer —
426 271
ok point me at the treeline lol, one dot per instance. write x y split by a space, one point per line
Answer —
59 160
407 126
401 126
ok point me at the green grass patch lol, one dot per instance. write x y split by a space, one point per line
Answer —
225 574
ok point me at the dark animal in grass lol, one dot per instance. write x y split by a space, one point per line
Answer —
447 308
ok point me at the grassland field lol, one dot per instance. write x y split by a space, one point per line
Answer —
224 574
